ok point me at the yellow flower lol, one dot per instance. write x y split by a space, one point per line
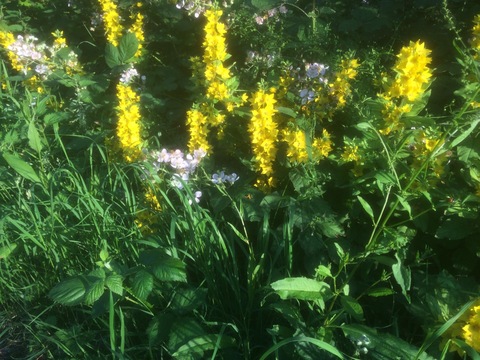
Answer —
128 126
413 73
198 129
111 19
350 153
137 29
263 134
340 88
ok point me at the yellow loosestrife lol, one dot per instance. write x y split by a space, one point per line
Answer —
128 126
410 83
215 53
341 88
263 134
198 129
297 146
111 19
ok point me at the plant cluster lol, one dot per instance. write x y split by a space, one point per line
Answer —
322 200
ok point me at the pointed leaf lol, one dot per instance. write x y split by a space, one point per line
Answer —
34 140
21 167
112 56
127 47
163 266
300 288
352 307
203 343
6 250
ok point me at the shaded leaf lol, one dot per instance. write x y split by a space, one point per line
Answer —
352 307
69 292
114 283
142 284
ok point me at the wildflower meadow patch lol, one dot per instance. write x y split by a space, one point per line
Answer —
240 179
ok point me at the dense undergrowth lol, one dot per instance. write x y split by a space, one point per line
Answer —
241 180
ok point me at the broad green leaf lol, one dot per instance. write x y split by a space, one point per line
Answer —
324 271
170 269
366 206
164 267
96 286
112 56
352 307
300 288
383 346
142 284
70 291
6 250
127 47
114 283
21 167
158 329
188 299
203 343
34 140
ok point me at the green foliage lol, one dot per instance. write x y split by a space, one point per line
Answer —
372 254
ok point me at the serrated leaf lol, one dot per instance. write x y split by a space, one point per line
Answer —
21 167
183 330
142 284
69 292
96 286
300 288
188 299
114 283
127 47
55 118
464 134
352 307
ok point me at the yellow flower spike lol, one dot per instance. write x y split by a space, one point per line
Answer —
263 133
111 19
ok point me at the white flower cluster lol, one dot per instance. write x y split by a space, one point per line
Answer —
28 51
272 13
32 55
128 75
221 178
194 7
184 165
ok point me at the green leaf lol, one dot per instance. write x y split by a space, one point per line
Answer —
164 267
366 206
402 274
114 283
188 299
96 286
142 284
21 167
200 344
183 330
300 339
264 4
34 140
127 47
6 250
112 56
352 307
383 346
464 134
379 292
300 288
55 118
287 111
69 292
456 228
